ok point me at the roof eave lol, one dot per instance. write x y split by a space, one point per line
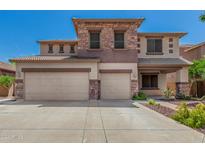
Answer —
176 34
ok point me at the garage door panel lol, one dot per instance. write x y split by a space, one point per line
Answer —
56 86
115 86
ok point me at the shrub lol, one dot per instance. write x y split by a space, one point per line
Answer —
140 96
183 96
194 118
6 81
182 113
168 93
152 102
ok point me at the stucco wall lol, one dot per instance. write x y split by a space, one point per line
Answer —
182 75
165 48
56 48
92 74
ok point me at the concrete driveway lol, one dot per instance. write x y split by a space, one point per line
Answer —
102 121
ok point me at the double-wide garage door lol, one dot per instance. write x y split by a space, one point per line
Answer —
56 86
115 86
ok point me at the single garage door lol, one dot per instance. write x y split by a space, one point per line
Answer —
56 86
115 85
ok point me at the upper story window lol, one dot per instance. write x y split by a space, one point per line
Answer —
119 40
61 48
154 46
50 48
94 40
72 49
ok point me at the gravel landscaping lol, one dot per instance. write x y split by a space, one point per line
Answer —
161 109
168 112
190 103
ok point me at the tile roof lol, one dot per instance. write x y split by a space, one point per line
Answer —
178 34
58 41
51 59
163 61
8 67
195 46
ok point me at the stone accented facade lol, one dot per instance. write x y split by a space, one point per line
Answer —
107 53
182 88
94 89
19 89
134 87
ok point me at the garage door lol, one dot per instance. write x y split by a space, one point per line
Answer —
115 86
56 86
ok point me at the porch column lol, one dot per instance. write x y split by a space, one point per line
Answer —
182 82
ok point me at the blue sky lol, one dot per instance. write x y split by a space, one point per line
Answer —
19 30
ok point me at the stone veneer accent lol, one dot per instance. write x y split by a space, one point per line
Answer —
94 89
182 88
19 89
134 87
107 53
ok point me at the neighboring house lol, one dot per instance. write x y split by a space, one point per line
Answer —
195 52
6 69
109 60
191 53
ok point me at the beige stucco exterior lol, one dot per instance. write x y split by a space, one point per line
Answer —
165 48
109 69
44 49
92 75
182 75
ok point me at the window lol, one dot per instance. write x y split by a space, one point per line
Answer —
154 45
138 50
170 51
94 40
61 48
72 49
170 45
149 81
50 48
138 39
119 40
138 45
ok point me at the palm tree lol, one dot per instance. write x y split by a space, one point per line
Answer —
202 17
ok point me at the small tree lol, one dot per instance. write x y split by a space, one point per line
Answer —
202 17
6 81
197 71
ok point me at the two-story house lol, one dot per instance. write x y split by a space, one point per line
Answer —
109 60
193 52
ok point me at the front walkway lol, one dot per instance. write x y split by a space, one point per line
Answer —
102 121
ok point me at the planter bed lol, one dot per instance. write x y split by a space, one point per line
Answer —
168 112
161 109
189 103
